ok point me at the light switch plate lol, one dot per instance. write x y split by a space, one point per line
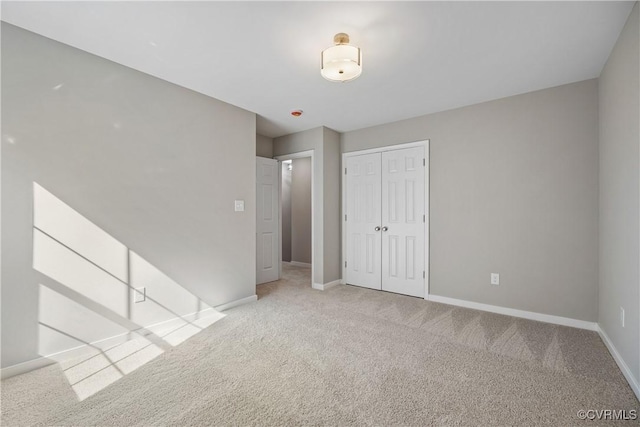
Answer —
239 205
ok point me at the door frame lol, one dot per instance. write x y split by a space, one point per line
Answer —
280 159
425 144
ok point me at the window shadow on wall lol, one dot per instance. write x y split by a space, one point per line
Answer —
104 311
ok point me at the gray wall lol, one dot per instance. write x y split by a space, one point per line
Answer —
513 190
155 165
286 212
301 210
326 177
264 146
619 194
331 205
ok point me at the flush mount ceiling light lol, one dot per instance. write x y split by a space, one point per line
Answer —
342 62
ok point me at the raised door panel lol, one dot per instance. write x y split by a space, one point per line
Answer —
403 209
363 201
267 222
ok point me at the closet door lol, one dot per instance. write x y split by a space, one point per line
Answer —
363 221
403 224
267 221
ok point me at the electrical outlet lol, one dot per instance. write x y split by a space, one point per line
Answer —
495 279
622 316
239 205
140 294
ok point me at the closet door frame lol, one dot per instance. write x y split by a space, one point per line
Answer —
424 144
315 255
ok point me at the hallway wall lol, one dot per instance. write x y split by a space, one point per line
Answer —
301 210
286 212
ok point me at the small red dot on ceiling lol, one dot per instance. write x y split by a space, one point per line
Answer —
296 113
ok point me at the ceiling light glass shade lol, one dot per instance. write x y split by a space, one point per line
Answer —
342 62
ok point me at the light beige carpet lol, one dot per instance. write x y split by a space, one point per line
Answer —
345 356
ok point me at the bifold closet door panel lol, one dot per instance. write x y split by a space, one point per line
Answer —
403 210
267 221
363 200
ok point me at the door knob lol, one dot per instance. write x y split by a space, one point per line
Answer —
384 228
377 228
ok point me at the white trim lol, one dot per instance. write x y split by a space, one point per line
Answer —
236 303
23 368
424 143
332 284
300 264
279 219
314 253
343 212
427 212
531 315
387 148
633 383
324 287
298 155
112 341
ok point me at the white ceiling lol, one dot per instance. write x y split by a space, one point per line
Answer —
418 57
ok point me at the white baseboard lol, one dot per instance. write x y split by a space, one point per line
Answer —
332 284
41 362
325 286
236 303
300 264
23 368
70 353
547 318
621 363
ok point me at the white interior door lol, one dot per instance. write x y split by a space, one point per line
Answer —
267 221
403 211
363 221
